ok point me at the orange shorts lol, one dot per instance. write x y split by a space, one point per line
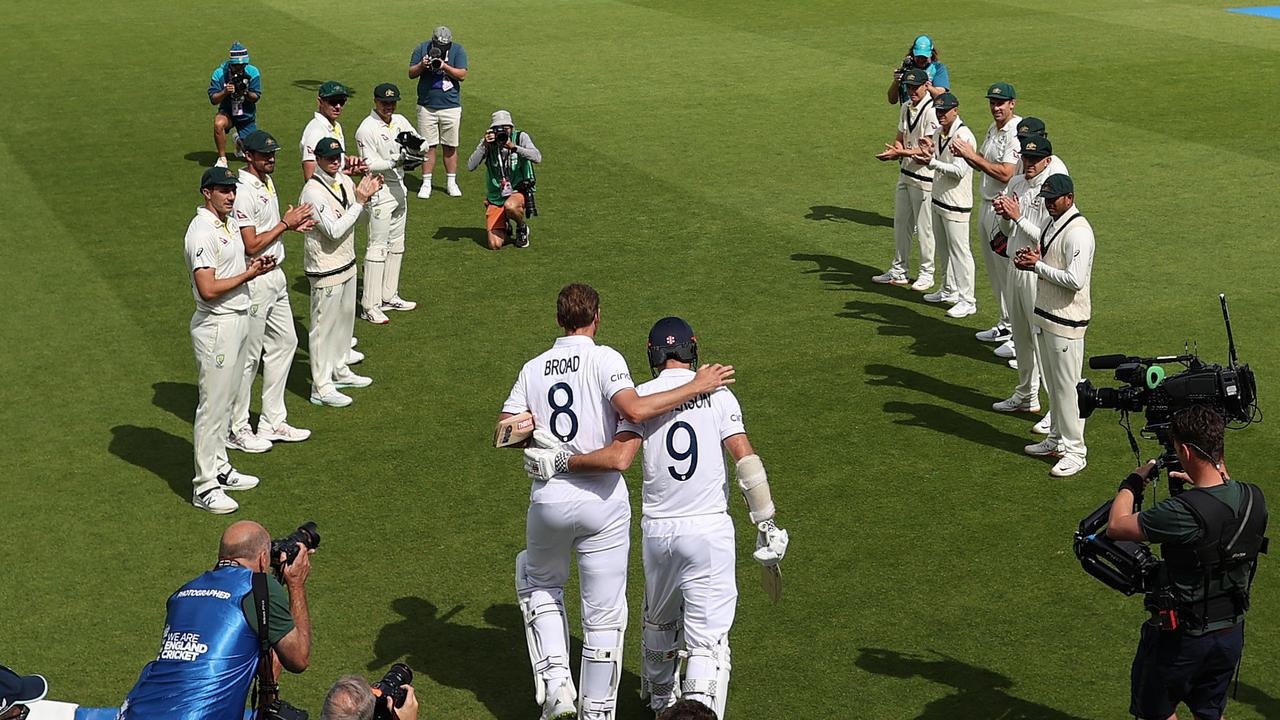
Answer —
495 218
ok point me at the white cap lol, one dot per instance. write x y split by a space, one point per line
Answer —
501 117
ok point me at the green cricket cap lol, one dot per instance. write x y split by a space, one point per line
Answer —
945 102
217 175
915 76
328 147
1035 147
1032 126
333 88
1001 91
261 141
387 93
1057 186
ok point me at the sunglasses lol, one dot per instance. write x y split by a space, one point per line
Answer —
336 101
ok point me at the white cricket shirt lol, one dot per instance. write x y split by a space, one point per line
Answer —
916 122
569 389
684 473
378 147
212 243
318 129
257 207
1000 145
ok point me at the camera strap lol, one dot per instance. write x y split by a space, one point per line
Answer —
265 688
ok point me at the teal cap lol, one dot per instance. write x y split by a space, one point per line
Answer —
922 47
217 175
1001 91
333 88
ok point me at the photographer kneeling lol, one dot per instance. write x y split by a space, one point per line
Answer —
1209 538
352 698
508 156
211 647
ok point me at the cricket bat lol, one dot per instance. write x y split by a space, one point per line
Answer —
771 581
514 430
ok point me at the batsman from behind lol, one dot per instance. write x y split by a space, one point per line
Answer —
688 539
576 392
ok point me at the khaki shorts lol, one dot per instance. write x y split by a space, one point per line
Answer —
439 127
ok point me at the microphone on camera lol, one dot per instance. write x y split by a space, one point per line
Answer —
1108 362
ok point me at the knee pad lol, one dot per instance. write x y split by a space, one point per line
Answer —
707 676
542 610
601 653
660 648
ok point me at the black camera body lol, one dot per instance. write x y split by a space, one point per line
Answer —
281 710
390 687
435 57
501 135
307 534
238 75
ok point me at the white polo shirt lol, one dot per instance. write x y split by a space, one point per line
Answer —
258 207
378 147
212 243
684 472
569 390
916 122
318 129
1000 145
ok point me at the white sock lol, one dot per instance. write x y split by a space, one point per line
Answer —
452 178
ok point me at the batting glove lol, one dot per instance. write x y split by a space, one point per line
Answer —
771 543
543 464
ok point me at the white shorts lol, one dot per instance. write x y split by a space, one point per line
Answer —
600 532
689 563
439 127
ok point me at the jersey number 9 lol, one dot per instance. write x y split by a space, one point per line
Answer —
690 454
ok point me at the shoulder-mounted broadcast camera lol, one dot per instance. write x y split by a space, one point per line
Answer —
1131 567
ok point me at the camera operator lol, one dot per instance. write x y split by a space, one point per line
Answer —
235 87
351 698
439 65
508 155
1189 651
210 651
923 55
1063 264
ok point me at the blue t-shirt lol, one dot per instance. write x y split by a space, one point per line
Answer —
939 75
439 90
237 110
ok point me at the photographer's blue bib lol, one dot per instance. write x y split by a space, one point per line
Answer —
208 656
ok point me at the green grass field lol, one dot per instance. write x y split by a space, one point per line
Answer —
711 159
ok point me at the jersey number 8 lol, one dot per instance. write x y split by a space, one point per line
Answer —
690 454
559 409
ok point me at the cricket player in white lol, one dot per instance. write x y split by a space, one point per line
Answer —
216 261
576 392
1062 262
332 97
688 539
1022 217
271 336
330 264
996 160
383 256
951 204
915 182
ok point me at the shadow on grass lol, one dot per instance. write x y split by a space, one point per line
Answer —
954 424
167 456
178 398
490 661
203 158
831 213
1266 705
477 235
979 692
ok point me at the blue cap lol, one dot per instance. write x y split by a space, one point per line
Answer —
923 47
16 689
238 54
672 338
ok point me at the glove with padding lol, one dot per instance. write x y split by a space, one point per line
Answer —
546 457
771 543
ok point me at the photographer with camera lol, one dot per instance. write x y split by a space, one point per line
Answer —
1210 536
1062 263
508 155
924 56
235 87
392 698
439 65
214 642
389 146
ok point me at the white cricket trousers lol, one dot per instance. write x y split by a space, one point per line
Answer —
271 339
997 265
1020 294
333 319
599 531
955 235
218 341
384 253
689 577
1062 360
911 213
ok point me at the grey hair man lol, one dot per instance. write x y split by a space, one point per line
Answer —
351 698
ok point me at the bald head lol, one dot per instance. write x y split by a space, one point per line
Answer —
244 540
